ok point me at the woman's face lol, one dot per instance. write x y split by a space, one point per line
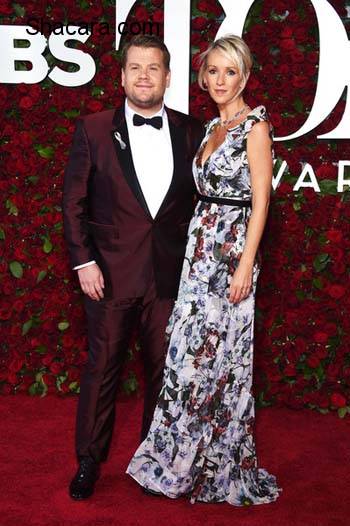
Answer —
222 78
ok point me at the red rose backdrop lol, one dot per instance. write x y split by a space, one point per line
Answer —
302 325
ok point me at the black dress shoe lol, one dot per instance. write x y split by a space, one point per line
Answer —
83 483
149 491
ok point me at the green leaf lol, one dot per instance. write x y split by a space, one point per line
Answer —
323 410
34 389
308 231
328 186
71 114
27 326
261 402
60 380
41 349
38 376
41 275
317 282
16 269
320 262
61 129
298 105
73 386
297 205
12 208
130 385
300 294
342 411
2 233
319 372
33 179
322 239
47 152
96 91
63 325
47 246
19 10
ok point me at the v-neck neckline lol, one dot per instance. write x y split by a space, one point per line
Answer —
202 165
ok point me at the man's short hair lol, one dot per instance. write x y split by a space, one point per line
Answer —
146 41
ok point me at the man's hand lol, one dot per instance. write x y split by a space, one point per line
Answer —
91 281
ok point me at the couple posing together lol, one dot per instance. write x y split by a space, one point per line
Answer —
141 182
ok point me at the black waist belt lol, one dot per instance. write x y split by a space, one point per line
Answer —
224 201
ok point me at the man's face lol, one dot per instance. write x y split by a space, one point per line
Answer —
145 78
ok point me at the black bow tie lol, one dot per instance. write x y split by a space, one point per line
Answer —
156 122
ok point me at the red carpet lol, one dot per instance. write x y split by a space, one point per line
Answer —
308 452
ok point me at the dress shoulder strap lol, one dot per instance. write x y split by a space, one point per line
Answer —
258 114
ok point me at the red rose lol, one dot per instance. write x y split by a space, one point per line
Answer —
321 353
158 17
287 44
312 57
338 400
26 103
297 56
55 367
141 14
199 23
208 6
65 388
333 371
8 287
322 400
253 83
326 171
13 379
334 235
313 361
196 39
74 374
320 337
336 253
16 365
49 380
336 291
290 370
107 59
287 32
94 105
300 81
339 268
67 341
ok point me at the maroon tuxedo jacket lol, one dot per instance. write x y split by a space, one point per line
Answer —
106 217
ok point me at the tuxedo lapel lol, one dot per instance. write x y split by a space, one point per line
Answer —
120 137
178 142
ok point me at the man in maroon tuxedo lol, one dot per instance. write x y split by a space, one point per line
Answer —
127 201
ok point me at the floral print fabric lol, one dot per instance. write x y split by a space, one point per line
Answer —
201 440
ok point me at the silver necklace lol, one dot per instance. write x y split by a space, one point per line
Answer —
227 121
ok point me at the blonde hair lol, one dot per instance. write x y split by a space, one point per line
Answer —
235 49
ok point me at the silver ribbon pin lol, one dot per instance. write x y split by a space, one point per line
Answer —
120 140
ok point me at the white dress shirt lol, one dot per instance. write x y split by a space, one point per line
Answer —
152 155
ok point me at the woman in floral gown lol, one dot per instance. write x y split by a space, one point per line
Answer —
201 440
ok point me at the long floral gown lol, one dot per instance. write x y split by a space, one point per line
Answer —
201 440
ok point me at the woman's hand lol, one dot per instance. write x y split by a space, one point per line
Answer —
241 283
